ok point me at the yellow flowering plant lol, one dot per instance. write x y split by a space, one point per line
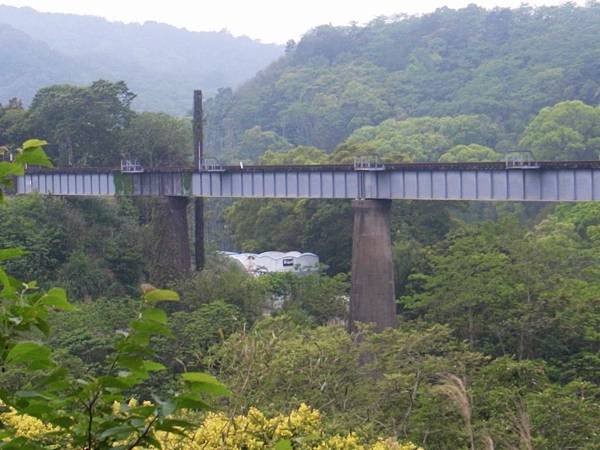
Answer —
301 429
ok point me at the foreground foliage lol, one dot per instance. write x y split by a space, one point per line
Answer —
417 382
76 411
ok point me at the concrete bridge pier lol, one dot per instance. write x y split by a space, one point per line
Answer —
372 298
171 246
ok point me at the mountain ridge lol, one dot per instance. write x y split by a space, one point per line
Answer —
161 63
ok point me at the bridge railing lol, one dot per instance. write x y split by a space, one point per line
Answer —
131 166
6 155
368 163
211 165
521 160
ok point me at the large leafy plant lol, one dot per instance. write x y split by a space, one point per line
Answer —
31 152
89 412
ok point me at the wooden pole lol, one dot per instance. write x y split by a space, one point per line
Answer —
198 127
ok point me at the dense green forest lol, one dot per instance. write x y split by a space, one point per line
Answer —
498 342
502 65
163 64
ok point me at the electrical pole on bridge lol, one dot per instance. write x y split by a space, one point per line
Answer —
198 126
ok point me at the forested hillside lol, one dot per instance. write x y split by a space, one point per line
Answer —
163 64
503 65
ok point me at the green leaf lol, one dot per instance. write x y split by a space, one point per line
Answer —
146 328
7 287
203 382
33 143
286 444
161 295
155 315
143 410
167 408
31 354
11 253
34 156
199 377
209 388
152 366
39 409
57 298
10 169
119 432
43 326
31 394
114 382
57 379
208 382
130 362
63 421
188 402
139 421
174 426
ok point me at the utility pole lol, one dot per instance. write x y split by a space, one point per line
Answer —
198 129
198 126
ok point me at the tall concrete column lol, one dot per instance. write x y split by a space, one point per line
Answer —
171 243
372 298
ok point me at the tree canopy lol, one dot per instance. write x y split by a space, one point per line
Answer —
82 124
567 130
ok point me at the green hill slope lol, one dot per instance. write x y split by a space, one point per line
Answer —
504 64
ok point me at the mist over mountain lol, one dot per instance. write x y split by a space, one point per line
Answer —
28 64
162 64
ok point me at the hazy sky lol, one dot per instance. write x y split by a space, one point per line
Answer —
267 20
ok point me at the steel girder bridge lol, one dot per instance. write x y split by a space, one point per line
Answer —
371 184
552 181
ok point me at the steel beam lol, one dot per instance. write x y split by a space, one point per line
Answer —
443 183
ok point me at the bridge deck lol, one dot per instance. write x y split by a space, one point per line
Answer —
552 181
